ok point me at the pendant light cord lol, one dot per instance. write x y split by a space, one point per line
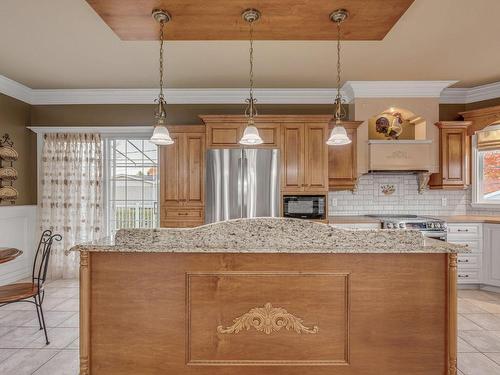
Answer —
162 27
339 111
251 111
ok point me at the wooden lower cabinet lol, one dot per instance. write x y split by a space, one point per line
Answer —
454 156
347 314
182 178
342 160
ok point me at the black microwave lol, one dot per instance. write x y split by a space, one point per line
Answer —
305 206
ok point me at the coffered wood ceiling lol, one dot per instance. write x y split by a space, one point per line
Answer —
221 19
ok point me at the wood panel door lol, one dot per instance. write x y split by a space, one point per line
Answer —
292 164
342 161
224 135
172 171
194 169
454 160
315 157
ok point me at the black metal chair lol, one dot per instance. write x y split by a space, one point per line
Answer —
24 292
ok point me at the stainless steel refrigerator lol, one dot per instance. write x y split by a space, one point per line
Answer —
241 183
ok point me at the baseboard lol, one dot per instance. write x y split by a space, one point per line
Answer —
490 288
18 230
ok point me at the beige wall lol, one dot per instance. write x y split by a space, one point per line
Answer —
450 112
14 117
427 108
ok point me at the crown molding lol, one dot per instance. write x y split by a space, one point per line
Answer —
182 96
350 91
103 130
395 89
15 89
471 95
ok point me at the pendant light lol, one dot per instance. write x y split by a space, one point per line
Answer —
338 136
251 134
161 136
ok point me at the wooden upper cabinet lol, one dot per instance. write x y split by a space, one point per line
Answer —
182 177
342 160
225 131
454 159
316 157
304 153
292 157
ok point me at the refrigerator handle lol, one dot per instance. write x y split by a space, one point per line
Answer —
240 187
244 193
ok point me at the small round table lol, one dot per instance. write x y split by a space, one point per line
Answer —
8 253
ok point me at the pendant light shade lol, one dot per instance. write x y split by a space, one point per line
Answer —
338 136
161 135
251 134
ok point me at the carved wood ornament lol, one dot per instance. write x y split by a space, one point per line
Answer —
7 172
267 319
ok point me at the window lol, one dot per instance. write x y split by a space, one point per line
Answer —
131 175
486 184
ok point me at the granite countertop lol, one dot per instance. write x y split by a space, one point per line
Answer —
471 219
361 219
270 235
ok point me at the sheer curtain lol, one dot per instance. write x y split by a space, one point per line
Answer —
71 195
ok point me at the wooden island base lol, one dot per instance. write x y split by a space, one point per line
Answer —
281 314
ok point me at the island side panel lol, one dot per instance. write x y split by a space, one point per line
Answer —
157 313
452 314
85 290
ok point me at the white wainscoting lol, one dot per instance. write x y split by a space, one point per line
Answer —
18 230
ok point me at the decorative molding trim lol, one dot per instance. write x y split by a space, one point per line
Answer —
395 89
182 96
452 315
267 319
471 95
15 89
350 90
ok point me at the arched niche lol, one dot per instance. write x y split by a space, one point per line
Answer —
414 126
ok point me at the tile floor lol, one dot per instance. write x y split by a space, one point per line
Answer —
23 350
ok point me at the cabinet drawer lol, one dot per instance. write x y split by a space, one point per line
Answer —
468 277
462 230
473 245
180 223
466 261
183 213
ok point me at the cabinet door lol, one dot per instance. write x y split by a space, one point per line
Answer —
172 171
316 157
342 168
491 254
454 157
270 134
194 183
292 165
224 135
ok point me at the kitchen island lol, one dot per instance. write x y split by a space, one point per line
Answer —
268 296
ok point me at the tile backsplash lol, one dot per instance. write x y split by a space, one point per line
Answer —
398 194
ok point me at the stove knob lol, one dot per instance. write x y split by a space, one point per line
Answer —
390 225
402 225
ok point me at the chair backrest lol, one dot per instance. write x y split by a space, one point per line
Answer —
42 257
